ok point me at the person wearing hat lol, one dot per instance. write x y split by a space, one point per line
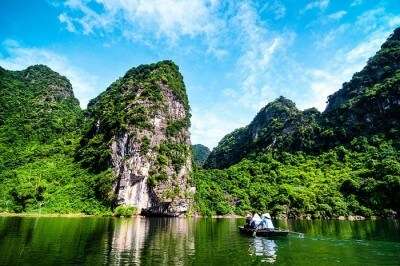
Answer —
267 222
248 221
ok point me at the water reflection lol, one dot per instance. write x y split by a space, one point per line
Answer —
265 248
151 240
180 241
128 240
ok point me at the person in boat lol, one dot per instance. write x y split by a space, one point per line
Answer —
266 222
255 221
248 221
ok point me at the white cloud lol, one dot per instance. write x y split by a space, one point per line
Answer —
209 127
276 7
371 19
367 23
259 46
19 57
143 20
332 35
318 4
373 27
394 21
341 68
337 15
356 3
63 18
264 69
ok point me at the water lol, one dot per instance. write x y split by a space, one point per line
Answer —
179 241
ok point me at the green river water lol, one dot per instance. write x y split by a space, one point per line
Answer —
181 241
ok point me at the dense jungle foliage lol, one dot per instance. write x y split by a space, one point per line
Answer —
131 100
40 128
362 178
343 161
368 104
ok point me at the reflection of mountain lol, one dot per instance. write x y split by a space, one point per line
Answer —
52 241
264 247
128 239
151 241
170 242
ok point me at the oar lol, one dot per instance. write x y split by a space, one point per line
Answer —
297 233
255 232
292 232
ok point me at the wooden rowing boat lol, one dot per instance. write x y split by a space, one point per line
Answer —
263 232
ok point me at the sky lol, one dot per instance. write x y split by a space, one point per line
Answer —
235 56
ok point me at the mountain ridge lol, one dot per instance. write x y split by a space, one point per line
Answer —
367 104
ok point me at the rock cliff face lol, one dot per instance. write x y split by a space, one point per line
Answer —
140 129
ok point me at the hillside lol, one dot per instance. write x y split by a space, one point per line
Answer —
343 161
370 102
40 127
279 125
367 104
130 147
200 154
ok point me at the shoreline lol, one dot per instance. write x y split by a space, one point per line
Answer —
34 214
228 216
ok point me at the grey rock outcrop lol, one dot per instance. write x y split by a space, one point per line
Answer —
140 131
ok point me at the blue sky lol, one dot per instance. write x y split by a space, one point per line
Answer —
235 56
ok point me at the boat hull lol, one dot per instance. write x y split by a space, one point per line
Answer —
263 232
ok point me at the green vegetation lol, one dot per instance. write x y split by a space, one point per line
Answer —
366 105
40 125
158 176
177 153
54 157
199 154
362 178
279 125
125 211
130 101
342 161
176 126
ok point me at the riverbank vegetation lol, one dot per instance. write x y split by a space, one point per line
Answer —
362 178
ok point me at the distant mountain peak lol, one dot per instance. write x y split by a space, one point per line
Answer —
395 36
379 67
200 154
369 103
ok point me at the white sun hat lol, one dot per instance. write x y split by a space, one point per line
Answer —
267 215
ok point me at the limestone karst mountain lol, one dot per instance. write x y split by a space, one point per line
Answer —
139 127
131 146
